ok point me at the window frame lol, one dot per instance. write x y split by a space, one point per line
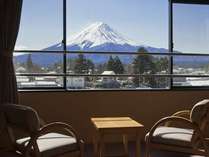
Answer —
171 42
170 54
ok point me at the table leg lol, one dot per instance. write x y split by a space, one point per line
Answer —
95 142
125 144
101 146
138 146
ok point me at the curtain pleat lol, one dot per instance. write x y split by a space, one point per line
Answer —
10 14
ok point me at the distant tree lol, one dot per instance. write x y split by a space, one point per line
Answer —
83 65
118 66
71 64
80 65
29 64
162 64
110 64
30 67
115 64
144 64
90 66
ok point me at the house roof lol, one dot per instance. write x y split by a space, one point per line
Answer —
108 73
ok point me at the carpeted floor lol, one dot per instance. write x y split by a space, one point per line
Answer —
117 150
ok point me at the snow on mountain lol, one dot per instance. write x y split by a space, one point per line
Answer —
101 37
97 34
98 37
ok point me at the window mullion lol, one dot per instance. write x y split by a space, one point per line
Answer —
64 43
170 47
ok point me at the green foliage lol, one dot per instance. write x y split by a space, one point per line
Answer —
110 64
83 65
144 64
162 64
115 64
119 69
90 65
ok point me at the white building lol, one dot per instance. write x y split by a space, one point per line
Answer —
198 81
20 70
76 82
108 78
22 79
39 84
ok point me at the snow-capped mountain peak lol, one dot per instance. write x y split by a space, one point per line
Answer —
100 37
97 34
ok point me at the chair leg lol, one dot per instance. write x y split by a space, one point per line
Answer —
81 148
147 154
147 149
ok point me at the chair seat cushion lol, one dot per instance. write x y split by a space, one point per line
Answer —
52 144
172 136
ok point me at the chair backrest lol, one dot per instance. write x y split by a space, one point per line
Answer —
200 116
21 117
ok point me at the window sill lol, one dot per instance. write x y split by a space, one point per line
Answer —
117 90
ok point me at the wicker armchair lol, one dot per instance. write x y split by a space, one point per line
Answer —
54 139
192 138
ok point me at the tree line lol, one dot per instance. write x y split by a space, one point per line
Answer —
143 63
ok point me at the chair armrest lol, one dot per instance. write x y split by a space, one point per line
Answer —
177 119
183 114
58 126
53 127
173 119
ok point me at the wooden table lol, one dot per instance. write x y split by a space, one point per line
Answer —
119 126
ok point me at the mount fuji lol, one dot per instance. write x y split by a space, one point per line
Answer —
101 37
98 37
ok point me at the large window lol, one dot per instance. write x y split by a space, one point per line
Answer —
191 38
105 45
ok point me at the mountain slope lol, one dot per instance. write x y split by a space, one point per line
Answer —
98 34
100 37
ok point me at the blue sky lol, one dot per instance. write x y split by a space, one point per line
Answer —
135 19
191 28
143 21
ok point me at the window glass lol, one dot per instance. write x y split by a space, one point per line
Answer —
191 35
101 39
109 26
41 25
39 82
191 81
191 28
39 63
120 83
